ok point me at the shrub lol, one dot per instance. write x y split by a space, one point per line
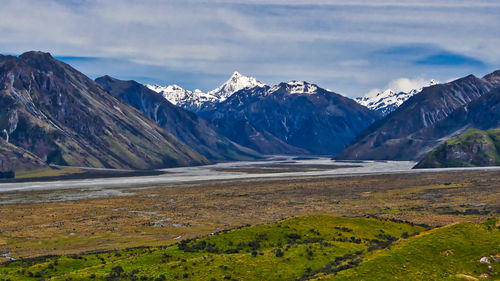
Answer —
279 253
293 236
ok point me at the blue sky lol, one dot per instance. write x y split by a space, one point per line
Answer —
350 47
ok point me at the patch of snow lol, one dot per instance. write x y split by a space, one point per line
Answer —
296 87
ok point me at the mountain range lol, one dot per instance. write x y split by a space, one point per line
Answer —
310 119
53 114
389 100
289 118
196 100
186 126
426 120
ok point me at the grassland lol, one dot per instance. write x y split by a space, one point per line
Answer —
281 251
301 248
54 173
449 253
59 222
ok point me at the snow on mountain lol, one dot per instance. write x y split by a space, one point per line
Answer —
234 84
195 100
296 87
190 100
388 100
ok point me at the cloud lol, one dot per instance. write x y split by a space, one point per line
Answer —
401 85
406 84
347 46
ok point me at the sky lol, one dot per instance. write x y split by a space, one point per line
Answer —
351 47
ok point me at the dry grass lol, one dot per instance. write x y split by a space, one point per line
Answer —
159 214
48 172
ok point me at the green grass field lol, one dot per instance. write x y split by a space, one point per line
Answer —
300 248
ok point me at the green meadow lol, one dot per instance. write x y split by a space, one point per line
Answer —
299 248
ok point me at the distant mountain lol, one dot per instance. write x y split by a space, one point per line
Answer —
388 100
473 148
65 118
194 101
411 131
186 126
185 99
482 113
304 116
235 83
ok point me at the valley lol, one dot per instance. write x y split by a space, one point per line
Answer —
249 140
176 184
104 218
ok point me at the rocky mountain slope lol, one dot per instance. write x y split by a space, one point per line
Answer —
304 116
13 158
409 132
196 100
388 100
472 148
65 118
186 126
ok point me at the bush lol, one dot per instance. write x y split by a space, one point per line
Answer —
279 253
161 278
293 236
254 245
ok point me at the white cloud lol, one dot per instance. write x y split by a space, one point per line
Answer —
406 84
329 42
401 85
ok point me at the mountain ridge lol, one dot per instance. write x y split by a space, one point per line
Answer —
298 113
65 118
185 125
397 136
195 100
389 100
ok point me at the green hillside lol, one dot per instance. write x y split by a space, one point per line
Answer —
290 249
472 148
448 253
303 248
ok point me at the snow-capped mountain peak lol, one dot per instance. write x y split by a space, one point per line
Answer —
388 100
235 83
195 100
